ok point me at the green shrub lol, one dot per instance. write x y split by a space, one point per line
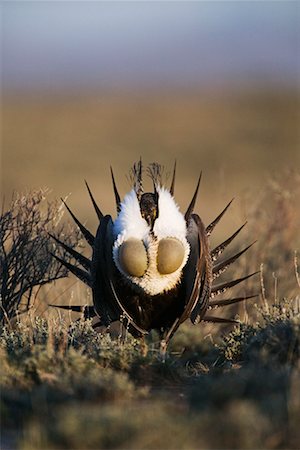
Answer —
274 340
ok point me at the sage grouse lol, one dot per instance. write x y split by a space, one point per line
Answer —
152 266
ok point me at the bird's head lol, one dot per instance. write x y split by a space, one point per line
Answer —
149 208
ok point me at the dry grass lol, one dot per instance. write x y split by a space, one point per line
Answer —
100 393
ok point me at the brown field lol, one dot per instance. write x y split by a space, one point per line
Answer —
238 139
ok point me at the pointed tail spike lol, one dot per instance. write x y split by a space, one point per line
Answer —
86 233
190 209
173 180
74 308
140 171
98 211
230 301
211 226
139 184
88 311
213 319
222 287
117 196
217 251
79 273
220 268
85 262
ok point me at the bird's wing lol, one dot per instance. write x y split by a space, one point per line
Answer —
197 275
198 297
198 271
106 292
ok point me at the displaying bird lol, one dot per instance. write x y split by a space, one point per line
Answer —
152 267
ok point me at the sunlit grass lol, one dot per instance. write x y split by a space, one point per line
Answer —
102 393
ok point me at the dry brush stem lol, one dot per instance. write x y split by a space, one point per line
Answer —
296 269
273 219
25 259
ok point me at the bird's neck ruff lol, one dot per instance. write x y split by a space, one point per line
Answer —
169 224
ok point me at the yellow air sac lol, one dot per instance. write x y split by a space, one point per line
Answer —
170 255
133 257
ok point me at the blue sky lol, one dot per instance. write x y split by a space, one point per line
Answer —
60 45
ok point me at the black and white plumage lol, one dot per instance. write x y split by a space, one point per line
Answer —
152 266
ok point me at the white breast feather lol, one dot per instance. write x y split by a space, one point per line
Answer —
170 223
130 222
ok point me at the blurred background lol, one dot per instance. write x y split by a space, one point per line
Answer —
86 85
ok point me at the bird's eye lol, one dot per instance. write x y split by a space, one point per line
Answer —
133 257
170 255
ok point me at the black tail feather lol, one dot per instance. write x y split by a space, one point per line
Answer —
219 320
139 186
221 267
85 262
190 209
136 177
217 251
79 273
86 233
88 311
211 226
117 196
221 288
96 207
230 301
173 180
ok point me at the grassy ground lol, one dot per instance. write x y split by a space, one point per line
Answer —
72 388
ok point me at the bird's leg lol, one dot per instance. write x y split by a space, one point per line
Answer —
143 346
163 350
123 331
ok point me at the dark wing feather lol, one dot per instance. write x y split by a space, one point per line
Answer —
204 269
106 295
98 272
197 275
115 289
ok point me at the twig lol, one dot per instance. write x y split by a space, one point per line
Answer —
275 287
296 269
262 287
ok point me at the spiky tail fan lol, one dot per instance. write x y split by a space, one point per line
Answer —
86 274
